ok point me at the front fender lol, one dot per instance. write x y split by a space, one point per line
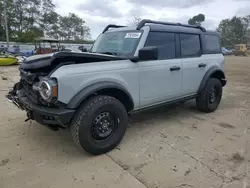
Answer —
85 92
72 79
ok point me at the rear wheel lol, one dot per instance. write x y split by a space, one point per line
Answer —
99 124
209 99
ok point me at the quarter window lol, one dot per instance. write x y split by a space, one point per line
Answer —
212 44
190 45
165 43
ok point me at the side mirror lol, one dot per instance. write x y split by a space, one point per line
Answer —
148 53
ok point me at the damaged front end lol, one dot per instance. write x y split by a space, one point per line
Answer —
36 93
53 115
12 97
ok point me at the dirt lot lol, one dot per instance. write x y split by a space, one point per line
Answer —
169 147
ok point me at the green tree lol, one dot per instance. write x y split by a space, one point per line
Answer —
197 20
32 33
22 16
48 18
48 21
233 31
246 24
29 19
2 30
72 27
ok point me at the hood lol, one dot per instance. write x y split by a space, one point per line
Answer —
49 62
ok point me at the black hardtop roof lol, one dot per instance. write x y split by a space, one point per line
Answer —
166 26
179 29
173 27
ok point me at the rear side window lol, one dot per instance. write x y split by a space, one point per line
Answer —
190 45
212 44
165 43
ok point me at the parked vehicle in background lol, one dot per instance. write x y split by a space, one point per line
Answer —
15 50
230 50
47 45
128 69
225 51
3 48
240 49
82 48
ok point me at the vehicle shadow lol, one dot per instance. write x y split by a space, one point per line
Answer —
163 113
61 142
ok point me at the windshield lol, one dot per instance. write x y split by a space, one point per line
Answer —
121 43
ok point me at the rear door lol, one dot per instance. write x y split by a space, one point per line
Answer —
194 65
160 80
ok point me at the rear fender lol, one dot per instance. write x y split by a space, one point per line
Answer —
213 72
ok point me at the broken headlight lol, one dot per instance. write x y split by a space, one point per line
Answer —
47 89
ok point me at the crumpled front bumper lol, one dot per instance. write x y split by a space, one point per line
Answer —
41 114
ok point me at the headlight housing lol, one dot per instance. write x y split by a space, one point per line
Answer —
47 89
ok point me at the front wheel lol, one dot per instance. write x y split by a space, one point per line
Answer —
99 124
209 99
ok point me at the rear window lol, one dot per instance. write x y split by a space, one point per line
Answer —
190 45
212 44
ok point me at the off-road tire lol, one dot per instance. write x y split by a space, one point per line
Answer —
82 121
202 101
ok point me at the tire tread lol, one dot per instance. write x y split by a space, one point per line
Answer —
201 100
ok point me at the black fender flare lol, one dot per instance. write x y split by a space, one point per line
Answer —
211 73
85 92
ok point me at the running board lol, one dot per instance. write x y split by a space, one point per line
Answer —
164 104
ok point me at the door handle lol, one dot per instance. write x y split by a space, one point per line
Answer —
202 65
175 68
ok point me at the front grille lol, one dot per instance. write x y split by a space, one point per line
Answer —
29 92
27 81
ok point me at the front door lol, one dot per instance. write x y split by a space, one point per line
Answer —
160 80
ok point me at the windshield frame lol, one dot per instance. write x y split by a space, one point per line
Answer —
115 31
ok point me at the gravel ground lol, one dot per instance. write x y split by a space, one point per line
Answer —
175 146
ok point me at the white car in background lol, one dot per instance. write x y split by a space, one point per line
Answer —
226 51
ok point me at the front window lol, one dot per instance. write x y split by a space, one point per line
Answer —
120 43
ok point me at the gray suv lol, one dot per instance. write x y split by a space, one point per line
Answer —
128 69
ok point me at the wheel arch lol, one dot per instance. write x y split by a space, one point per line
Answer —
214 72
104 88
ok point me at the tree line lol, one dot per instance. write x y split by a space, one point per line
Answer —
30 19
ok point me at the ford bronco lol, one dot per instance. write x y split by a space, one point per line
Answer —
127 69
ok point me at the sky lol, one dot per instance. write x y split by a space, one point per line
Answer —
100 13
